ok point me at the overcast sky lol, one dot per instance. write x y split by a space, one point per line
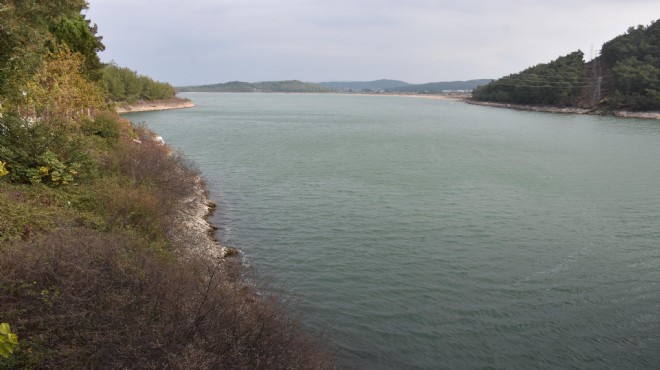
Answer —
210 41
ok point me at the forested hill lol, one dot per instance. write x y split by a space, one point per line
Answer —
268 86
556 83
126 85
626 75
359 86
364 85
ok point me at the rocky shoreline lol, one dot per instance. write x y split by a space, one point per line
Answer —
154 105
194 225
569 110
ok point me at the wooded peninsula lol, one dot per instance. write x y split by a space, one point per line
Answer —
625 76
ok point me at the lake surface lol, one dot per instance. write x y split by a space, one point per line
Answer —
424 234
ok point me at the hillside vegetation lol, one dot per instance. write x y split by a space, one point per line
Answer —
556 83
105 258
126 85
626 75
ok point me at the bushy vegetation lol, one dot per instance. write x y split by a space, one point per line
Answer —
8 340
98 268
626 75
556 83
124 84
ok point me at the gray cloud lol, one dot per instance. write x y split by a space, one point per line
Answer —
199 41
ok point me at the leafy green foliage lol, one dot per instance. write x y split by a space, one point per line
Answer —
22 47
30 29
634 59
8 340
124 84
556 83
37 152
103 125
58 91
80 36
3 170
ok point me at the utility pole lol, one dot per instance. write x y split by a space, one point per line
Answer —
596 98
598 80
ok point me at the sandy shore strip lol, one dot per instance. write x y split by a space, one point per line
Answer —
154 105
569 110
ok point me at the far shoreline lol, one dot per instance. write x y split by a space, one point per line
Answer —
181 103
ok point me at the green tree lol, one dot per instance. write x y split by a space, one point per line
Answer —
634 60
59 92
29 29
77 33
124 84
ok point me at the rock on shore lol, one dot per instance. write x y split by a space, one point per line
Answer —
194 226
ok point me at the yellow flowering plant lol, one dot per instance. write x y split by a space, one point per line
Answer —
3 170
8 340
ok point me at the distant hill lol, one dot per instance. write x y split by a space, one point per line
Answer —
625 76
306 87
365 85
267 86
400 86
437 87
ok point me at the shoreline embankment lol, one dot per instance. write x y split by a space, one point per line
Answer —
194 225
154 105
566 110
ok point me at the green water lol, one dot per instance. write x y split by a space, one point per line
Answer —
425 233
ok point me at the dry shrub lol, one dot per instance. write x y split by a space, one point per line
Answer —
146 187
149 162
81 298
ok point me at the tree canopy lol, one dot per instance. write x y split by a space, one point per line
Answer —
124 84
30 29
634 59
556 83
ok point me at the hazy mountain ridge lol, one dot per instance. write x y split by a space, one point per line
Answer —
401 86
436 87
299 86
383 84
266 86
